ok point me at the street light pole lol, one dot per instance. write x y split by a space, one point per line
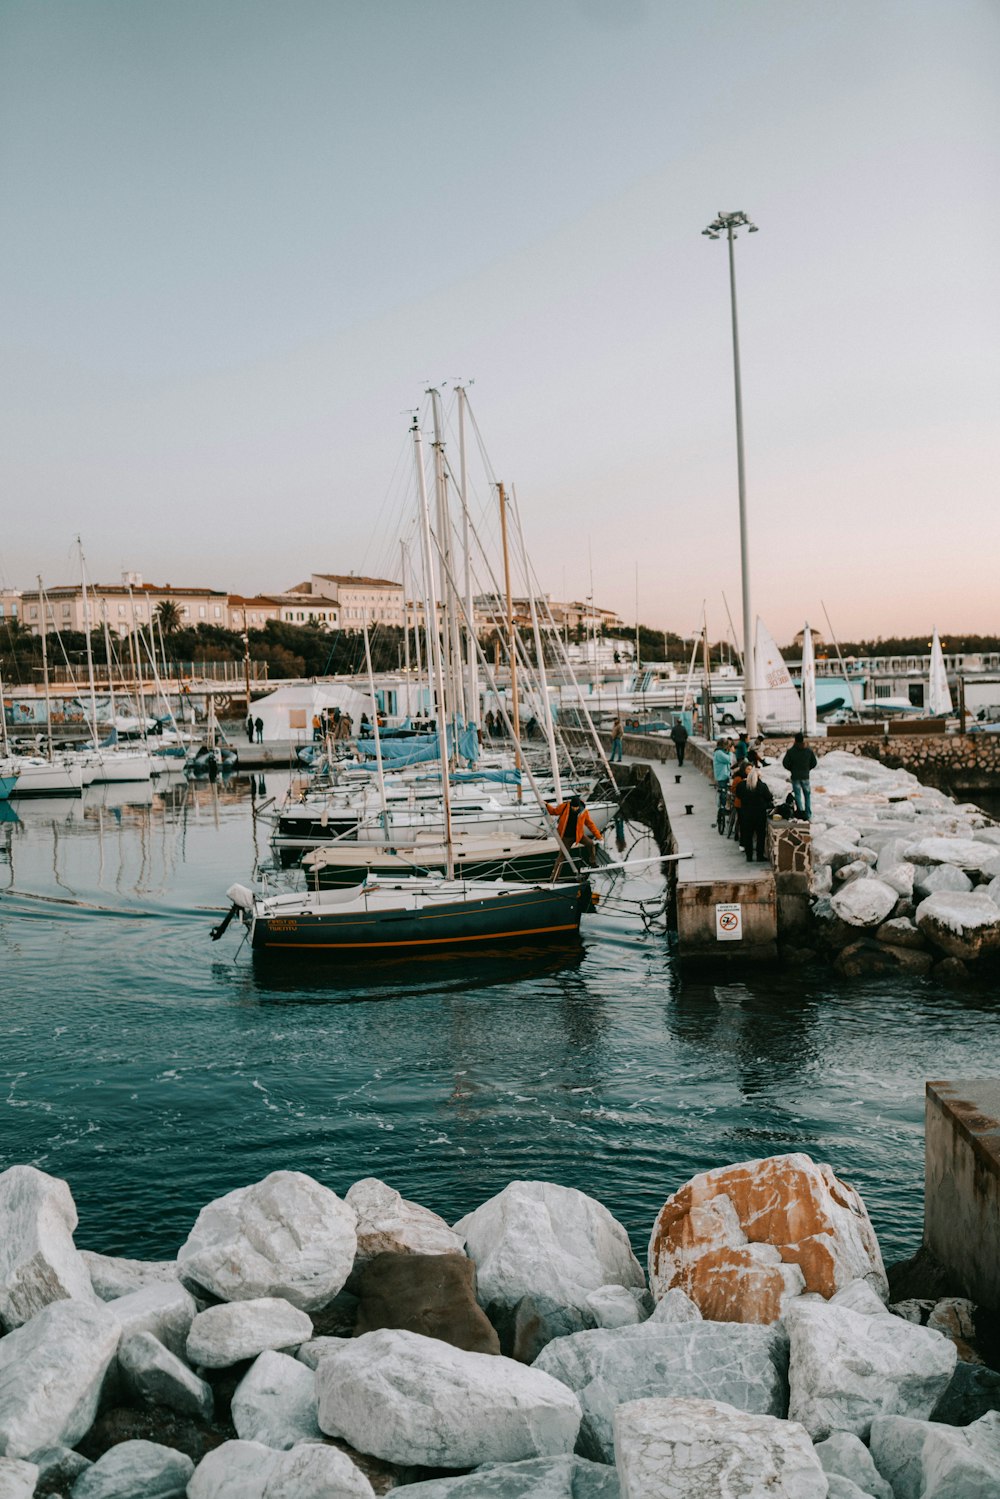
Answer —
728 223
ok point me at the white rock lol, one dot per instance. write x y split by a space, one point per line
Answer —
864 903
59 1467
284 1236
993 890
963 925
899 877
676 1306
821 882
536 1478
741 1364
963 853
858 869
892 853
153 1374
113 1277
930 878
249 1470
51 1373
846 1455
164 1308
136 1468
859 1296
613 1306
843 1488
847 1368
912 1310
224 1335
544 1240
388 1224
310 1353
411 1399
929 1460
39 1263
275 1403
839 840
704 1449
17 1478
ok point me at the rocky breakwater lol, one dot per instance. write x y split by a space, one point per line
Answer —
307 1346
904 879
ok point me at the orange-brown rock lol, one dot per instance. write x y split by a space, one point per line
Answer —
743 1240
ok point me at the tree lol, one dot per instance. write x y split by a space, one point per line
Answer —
169 616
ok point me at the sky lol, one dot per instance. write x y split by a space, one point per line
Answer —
241 240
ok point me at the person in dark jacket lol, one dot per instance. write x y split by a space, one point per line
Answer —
755 803
679 735
799 761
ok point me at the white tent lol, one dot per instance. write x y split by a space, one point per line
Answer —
288 712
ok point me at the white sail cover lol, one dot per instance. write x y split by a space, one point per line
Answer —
808 682
939 697
778 703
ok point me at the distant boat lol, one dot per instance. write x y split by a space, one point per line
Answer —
779 709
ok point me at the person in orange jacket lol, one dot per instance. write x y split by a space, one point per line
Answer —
577 828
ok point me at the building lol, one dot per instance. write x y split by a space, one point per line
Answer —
253 613
10 604
490 608
125 605
344 601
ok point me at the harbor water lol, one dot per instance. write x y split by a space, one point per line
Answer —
155 1070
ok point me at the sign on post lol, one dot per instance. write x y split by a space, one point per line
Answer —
729 922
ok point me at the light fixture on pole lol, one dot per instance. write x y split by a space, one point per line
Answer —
728 224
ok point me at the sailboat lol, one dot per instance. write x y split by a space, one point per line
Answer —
779 710
939 693
414 913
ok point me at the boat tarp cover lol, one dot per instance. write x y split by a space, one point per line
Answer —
397 752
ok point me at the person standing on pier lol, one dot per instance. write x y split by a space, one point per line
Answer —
617 734
755 803
799 761
722 769
742 748
258 724
679 735
250 728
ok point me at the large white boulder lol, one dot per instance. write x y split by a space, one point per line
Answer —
930 878
275 1402
970 854
236 1330
845 1456
847 1367
964 926
535 1478
310 1353
39 1263
410 1399
549 1242
17 1478
704 1449
744 1241
163 1308
153 1374
51 1373
249 1470
676 1306
133 1468
741 1364
388 1224
113 1277
864 903
929 1460
899 877
284 1236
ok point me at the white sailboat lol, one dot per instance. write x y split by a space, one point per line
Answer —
808 682
779 708
939 702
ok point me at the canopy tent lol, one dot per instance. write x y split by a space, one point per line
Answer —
288 712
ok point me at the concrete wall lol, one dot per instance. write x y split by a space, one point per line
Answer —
696 928
962 1202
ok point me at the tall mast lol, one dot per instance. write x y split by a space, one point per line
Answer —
434 643
90 648
406 627
136 658
452 653
4 741
543 682
111 669
378 733
45 666
512 651
472 682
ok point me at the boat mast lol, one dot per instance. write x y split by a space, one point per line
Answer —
378 735
449 622
511 647
543 683
472 684
45 666
4 741
136 658
111 670
90 647
406 627
434 643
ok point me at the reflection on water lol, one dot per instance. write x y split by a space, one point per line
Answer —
155 1069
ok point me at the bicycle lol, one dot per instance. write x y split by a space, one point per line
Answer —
724 797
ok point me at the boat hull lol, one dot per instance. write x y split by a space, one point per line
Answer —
513 918
528 867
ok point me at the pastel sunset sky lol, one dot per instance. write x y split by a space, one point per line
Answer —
240 239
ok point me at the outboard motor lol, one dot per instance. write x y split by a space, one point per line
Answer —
242 900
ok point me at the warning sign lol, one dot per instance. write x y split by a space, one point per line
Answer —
729 923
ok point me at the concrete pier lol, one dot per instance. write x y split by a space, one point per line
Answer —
962 1170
